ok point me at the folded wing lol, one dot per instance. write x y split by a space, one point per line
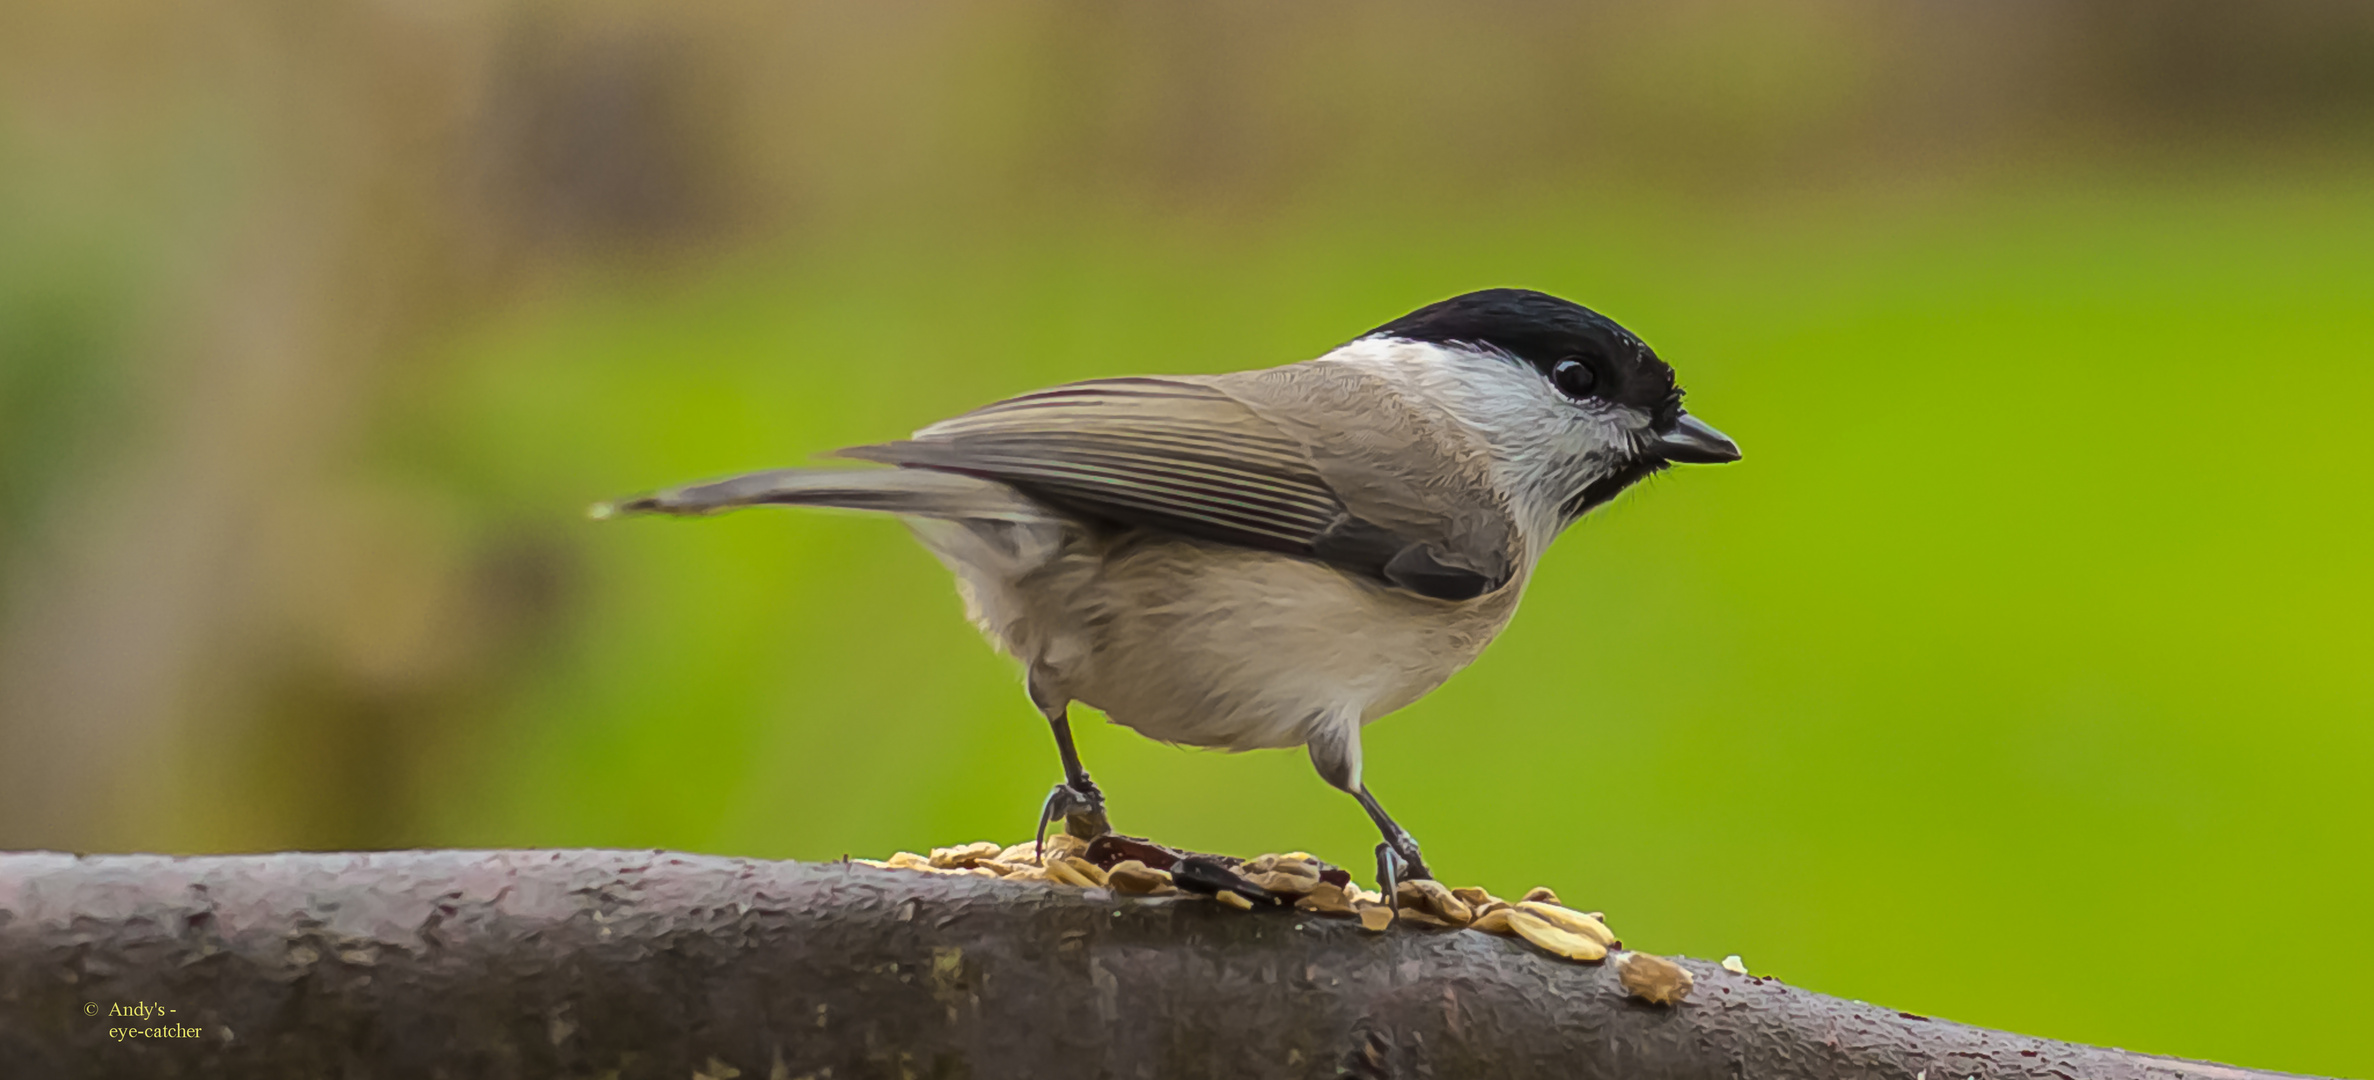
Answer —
1186 456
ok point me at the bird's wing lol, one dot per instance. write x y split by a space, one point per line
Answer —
1207 457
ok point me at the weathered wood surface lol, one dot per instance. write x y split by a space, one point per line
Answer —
632 964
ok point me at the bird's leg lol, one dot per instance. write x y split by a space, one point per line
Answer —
1335 752
1076 800
1397 857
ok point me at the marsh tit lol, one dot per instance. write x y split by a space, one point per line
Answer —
1269 558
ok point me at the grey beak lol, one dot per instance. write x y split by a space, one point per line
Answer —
1692 441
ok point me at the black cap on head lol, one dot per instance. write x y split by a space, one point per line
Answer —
1543 331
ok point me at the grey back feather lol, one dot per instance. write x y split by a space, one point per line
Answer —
1177 453
1307 459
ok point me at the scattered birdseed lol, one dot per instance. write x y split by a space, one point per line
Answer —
1132 876
1555 939
1140 868
966 856
1653 979
1735 965
1327 899
1024 852
1496 921
1067 871
1431 899
1477 900
1292 878
1569 920
1064 843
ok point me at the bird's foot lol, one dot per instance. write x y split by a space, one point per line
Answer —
1398 861
1082 808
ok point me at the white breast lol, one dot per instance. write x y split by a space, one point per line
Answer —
1236 649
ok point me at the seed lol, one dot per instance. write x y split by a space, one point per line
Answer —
1549 937
1376 918
1064 872
1541 894
876 863
963 856
1026 873
1569 920
1735 965
908 860
1298 864
1295 879
1024 852
1653 979
1432 898
1475 897
1234 900
1094 874
1327 898
1495 921
1415 917
1276 882
1131 876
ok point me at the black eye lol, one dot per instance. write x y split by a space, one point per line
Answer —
1573 378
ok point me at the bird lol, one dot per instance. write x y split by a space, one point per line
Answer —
1268 558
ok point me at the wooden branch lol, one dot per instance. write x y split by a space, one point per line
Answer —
629 964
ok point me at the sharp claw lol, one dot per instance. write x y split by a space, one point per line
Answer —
1083 814
1399 862
1055 800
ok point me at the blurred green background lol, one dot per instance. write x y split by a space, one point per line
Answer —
2018 676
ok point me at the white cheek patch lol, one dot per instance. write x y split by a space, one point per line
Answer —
1544 448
